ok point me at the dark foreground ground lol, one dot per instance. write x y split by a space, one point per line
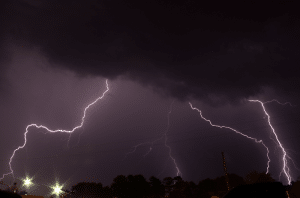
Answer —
5 194
265 190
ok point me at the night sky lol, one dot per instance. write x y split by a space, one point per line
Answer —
157 56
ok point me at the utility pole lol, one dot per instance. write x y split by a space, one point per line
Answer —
225 170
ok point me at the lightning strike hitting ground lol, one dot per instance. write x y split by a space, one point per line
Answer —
52 131
164 135
285 168
257 141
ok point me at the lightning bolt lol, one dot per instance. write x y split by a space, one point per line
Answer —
164 136
257 141
285 168
53 131
166 139
274 100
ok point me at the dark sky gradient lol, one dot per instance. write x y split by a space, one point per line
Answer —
56 55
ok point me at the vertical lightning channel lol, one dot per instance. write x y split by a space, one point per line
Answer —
285 168
164 136
166 139
276 142
53 131
257 141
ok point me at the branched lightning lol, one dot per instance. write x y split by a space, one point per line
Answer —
257 141
274 100
53 131
285 168
164 136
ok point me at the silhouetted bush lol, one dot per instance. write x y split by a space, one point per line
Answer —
258 190
138 187
6 194
256 177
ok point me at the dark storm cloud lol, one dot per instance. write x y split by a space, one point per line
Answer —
214 52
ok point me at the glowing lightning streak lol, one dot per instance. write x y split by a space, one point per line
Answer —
163 136
260 141
53 131
286 169
166 138
274 100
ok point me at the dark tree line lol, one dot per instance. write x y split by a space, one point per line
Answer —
8 194
137 186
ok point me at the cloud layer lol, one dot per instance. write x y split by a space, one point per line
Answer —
215 53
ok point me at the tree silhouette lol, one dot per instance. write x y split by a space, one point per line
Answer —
7 194
190 189
168 185
87 189
177 187
205 186
220 184
235 180
107 192
261 190
183 189
120 187
294 192
157 189
251 177
130 186
217 186
138 186
256 177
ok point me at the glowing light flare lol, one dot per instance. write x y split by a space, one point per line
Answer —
27 182
57 189
164 135
285 168
53 131
236 131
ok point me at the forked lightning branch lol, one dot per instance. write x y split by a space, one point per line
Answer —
52 131
285 168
